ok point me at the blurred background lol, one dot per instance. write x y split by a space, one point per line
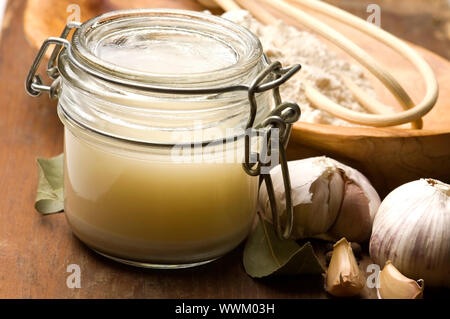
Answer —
423 22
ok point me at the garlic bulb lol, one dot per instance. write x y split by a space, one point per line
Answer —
344 278
331 200
412 229
394 285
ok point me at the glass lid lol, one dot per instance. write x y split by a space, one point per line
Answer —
147 75
166 46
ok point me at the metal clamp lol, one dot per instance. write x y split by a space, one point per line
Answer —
281 118
34 84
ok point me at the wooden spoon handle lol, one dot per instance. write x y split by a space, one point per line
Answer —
371 64
385 38
228 5
322 102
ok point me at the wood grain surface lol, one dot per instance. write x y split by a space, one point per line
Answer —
35 250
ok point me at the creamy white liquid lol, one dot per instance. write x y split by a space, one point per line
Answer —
133 206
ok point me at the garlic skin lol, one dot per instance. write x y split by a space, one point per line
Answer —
344 278
394 285
356 229
318 216
331 200
412 229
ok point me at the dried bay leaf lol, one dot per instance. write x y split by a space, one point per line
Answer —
50 197
265 254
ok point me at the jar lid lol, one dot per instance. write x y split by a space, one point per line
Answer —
161 48
168 47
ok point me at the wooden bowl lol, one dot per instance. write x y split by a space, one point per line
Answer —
43 19
388 156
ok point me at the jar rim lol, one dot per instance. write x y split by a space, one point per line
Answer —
155 108
245 44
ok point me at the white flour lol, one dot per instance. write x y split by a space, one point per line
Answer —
320 67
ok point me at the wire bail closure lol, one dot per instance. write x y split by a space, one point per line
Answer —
284 115
34 84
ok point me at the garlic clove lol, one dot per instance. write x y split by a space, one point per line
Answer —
344 278
311 217
317 217
354 221
394 285
336 189
359 179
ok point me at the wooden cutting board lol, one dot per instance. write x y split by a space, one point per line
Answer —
35 251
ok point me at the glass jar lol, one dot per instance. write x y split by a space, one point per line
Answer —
156 106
